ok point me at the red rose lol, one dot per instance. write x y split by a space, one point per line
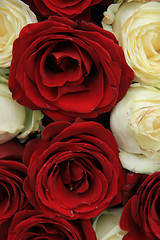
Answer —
141 214
4 229
74 170
33 225
12 174
132 182
65 8
68 69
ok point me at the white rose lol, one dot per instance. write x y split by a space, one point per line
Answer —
12 115
137 28
138 130
106 225
15 119
14 15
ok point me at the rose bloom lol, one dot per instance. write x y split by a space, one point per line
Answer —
68 69
138 130
141 215
74 170
137 28
106 225
63 8
12 174
34 225
14 15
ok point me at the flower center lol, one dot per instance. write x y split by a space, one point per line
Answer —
59 65
74 177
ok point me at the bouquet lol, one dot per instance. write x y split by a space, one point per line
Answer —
80 120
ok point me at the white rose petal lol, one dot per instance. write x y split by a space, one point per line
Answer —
121 18
15 119
140 163
106 225
12 115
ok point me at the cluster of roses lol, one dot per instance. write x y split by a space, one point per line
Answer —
65 76
138 113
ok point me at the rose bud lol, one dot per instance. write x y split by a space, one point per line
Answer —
15 119
138 33
138 130
106 225
14 15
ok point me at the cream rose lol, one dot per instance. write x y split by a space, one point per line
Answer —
138 130
15 119
137 28
14 15
106 225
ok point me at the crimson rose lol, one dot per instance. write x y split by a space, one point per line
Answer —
132 183
74 170
141 214
30 224
68 69
69 9
12 174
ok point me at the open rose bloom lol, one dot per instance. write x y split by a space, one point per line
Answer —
26 222
137 28
70 9
68 69
138 138
74 170
140 216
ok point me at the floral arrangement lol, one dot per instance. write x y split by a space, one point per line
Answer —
80 120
